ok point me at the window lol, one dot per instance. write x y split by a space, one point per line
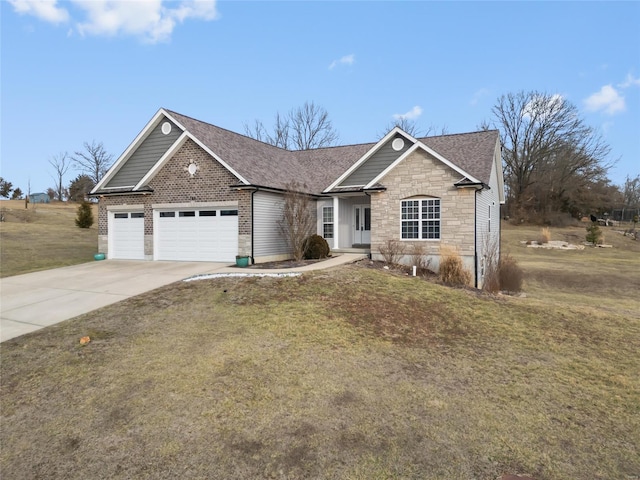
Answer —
229 213
207 213
420 219
187 214
327 222
137 214
167 214
121 215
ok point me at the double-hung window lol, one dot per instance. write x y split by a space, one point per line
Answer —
420 219
327 222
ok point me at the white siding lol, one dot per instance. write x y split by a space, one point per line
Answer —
267 212
487 222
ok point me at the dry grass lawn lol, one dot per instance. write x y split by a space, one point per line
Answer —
351 373
43 236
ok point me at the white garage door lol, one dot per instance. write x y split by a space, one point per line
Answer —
127 235
206 235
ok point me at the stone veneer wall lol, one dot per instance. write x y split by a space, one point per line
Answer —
422 175
173 184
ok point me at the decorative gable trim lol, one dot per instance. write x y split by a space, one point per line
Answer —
206 149
153 123
368 155
163 159
422 146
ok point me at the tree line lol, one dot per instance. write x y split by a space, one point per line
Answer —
92 162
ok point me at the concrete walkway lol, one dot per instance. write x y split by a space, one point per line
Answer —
36 300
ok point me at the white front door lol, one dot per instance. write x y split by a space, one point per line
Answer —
361 225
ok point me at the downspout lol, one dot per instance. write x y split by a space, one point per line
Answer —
371 226
253 261
475 237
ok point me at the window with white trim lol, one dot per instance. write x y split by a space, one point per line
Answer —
420 219
327 222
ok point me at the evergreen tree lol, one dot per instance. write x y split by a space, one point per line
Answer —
85 215
594 234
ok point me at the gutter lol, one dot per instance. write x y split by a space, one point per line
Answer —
270 189
106 193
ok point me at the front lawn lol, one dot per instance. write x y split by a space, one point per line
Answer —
352 373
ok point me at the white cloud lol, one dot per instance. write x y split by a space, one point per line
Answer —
629 81
412 114
151 20
483 92
346 60
46 10
542 106
607 100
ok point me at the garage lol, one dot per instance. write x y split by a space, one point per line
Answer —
127 235
201 235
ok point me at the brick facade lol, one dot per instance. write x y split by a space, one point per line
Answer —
174 184
422 175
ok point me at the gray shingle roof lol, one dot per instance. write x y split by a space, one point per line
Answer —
268 166
473 152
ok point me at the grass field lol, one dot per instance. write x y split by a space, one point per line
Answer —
43 236
353 373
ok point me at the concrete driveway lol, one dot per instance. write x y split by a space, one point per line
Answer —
35 300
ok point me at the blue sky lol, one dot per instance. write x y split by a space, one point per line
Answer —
76 71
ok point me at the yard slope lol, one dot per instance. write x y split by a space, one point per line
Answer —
352 373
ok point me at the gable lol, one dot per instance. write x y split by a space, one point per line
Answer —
377 163
145 156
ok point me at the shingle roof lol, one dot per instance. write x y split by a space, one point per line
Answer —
268 166
473 152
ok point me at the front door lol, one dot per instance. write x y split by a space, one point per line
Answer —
362 225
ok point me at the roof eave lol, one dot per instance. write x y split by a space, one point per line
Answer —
113 192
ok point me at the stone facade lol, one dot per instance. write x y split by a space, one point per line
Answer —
174 185
421 175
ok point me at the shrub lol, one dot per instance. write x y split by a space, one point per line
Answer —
392 251
490 263
510 274
419 258
452 271
594 234
545 235
84 219
315 247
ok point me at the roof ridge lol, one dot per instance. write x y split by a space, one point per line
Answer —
319 148
460 133
227 130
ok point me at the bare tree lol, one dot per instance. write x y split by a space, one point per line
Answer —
412 128
61 164
311 127
94 160
405 124
303 128
298 219
631 191
548 150
279 137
